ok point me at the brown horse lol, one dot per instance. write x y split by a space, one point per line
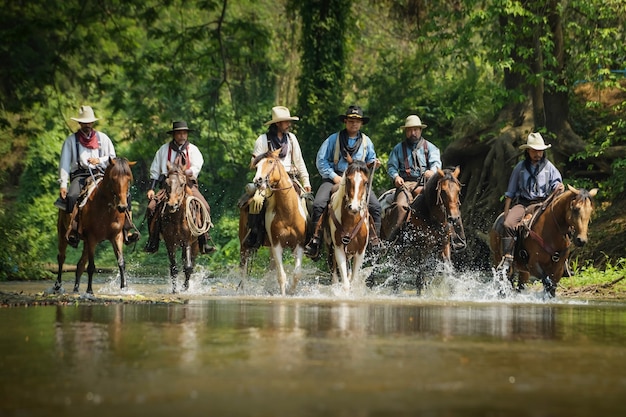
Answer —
285 218
544 240
434 227
101 218
178 215
347 230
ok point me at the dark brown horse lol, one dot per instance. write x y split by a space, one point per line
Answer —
433 228
180 213
347 229
544 240
101 218
285 219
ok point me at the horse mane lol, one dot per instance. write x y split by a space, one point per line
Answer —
268 154
121 167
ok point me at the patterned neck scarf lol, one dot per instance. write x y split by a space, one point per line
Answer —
89 142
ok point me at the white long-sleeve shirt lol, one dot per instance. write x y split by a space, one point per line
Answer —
70 162
293 157
159 163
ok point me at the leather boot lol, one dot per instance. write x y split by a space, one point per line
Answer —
205 247
72 236
374 241
312 249
152 245
253 239
508 247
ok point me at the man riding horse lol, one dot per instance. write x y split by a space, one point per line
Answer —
277 136
182 152
411 163
532 181
85 155
332 161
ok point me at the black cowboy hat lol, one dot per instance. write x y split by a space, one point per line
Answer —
354 112
181 125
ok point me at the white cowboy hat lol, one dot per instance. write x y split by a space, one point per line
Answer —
413 121
535 141
85 115
280 114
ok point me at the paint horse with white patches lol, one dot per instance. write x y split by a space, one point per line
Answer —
285 218
347 230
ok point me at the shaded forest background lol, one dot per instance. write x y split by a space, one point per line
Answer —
481 74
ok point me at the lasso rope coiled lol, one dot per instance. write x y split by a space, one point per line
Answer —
198 217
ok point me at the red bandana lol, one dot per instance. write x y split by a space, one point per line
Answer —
90 142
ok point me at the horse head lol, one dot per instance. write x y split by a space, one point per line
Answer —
118 177
176 187
356 180
448 199
269 170
579 213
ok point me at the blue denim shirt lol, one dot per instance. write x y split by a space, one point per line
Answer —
395 165
521 186
325 160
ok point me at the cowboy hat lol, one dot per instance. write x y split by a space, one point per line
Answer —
353 112
85 115
413 121
280 114
176 126
535 141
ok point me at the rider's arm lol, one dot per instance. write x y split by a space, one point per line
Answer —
324 160
507 206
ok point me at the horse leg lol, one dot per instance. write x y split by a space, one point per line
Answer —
342 265
91 267
188 265
298 253
80 266
119 255
171 255
281 276
357 262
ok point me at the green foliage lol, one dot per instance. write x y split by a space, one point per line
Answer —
585 273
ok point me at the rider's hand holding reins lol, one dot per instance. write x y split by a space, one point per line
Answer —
398 181
150 194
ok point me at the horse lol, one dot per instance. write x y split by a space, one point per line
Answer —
544 238
433 229
179 216
346 231
285 219
101 218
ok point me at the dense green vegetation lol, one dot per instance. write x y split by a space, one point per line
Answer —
479 73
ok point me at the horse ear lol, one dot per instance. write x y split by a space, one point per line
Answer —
168 165
440 172
593 192
188 190
456 172
275 153
111 160
572 189
132 163
349 158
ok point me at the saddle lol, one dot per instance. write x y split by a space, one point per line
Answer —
86 191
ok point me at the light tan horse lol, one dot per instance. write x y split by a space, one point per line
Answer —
101 218
347 230
543 247
285 219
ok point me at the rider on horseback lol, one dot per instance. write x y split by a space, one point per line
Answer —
84 155
276 137
532 181
411 163
331 164
179 150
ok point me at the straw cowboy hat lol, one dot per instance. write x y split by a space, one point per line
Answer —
353 112
413 121
535 141
181 125
281 114
85 115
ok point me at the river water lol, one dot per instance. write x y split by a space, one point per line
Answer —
459 349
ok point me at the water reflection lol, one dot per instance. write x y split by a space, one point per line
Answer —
296 356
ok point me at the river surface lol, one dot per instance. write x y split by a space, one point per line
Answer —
457 350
